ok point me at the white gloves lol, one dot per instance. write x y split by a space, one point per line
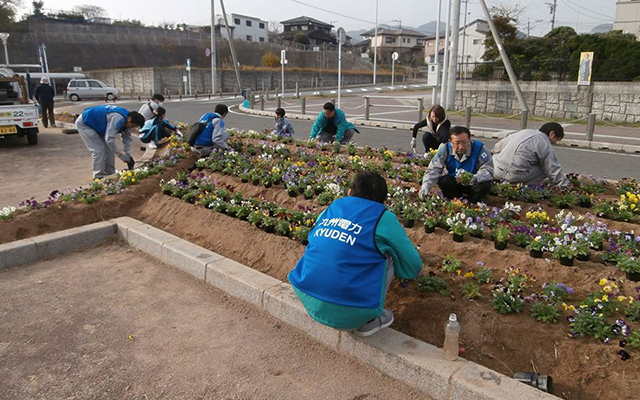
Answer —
413 144
423 192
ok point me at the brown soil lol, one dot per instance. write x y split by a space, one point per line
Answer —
582 369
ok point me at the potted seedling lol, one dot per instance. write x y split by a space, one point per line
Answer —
582 251
585 200
308 193
631 267
429 222
351 148
500 237
465 178
458 228
536 247
269 224
292 191
565 252
409 216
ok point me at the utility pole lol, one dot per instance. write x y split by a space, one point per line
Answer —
463 67
453 56
233 49
375 47
552 10
213 47
445 69
434 94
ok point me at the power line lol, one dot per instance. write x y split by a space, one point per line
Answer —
583 8
333 12
588 16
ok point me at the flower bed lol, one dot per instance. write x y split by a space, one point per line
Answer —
519 313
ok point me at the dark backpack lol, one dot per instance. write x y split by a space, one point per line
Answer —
195 130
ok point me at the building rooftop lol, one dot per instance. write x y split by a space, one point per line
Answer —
304 19
395 32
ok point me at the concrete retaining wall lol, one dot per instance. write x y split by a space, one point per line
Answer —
610 101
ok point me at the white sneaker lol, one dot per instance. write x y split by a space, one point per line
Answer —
152 145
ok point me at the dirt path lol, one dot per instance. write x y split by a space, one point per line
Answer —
65 335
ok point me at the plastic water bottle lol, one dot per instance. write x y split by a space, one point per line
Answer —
451 338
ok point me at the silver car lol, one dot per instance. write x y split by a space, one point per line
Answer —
79 89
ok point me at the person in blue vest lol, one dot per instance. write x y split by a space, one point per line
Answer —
99 126
214 136
460 154
331 125
355 249
156 128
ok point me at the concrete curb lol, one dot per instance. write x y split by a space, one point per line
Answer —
417 364
27 251
582 144
406 359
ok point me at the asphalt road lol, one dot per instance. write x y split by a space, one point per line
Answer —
584 161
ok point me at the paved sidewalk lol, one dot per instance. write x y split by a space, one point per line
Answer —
113 323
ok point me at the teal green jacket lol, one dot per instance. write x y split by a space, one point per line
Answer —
392 240
340 120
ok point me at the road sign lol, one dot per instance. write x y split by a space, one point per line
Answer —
342 35
188 64
395 56
283 57
207 52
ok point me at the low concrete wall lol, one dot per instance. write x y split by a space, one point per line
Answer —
610 101
145 81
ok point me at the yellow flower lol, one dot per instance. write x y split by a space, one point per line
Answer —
572 308
469 274
583 306
133 179
596 301
458 272
565 306
607 289
605 297
621 298
603 282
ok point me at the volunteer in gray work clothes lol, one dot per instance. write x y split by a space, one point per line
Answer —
98 127
527 156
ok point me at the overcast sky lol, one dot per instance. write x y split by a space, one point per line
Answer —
410 12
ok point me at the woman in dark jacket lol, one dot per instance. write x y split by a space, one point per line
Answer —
438 127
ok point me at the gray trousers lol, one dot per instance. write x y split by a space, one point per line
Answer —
205 151
330 137
103 158
533 176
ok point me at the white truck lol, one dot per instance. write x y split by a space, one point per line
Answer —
18 114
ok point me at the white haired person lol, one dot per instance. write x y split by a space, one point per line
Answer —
44 96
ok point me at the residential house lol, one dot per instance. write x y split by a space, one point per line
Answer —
248 29
318 32
628 17
470 43
408 43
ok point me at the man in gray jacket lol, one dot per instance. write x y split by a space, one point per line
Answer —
527 156
458 155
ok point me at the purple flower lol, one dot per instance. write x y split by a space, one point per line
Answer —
624 356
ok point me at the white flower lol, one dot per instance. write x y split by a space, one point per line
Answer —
6 211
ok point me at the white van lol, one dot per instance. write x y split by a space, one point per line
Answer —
79 89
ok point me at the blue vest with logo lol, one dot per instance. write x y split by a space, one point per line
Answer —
96 118
204 138
469 165
342 264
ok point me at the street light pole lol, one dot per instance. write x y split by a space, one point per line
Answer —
453 56
445 69
434 94
4 36
375 47
213 47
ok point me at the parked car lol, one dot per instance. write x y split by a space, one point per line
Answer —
79 89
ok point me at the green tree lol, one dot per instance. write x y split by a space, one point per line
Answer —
38 6
301 38
8 10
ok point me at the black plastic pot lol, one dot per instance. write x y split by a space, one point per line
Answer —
270 229
267 185
567 262
542 382
318 191
633 276
256 182
499 245
429 229
476 235
585 204
307 197
597 247
583 257
408 223
536 253
292 193
305 242
458 238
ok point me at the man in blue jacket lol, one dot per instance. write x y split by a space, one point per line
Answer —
355 249
331 125
98 127
458 155
214 135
